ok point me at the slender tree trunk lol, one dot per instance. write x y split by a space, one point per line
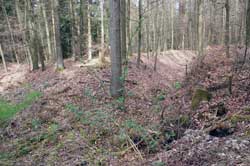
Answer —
123 31
247 40
139 34
83 27
200 28
33 36
59 56
3 59
128 29
157 38
89 33
41 46
172 2
101 55
147 31
227 28
116 88
182 18
49 54
53 29
73 29
20 25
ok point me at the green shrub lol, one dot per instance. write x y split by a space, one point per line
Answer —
158 163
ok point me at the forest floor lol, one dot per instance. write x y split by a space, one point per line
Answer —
69 118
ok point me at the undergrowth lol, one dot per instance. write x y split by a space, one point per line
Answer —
8 110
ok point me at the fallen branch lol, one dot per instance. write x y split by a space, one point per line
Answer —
215 124
135 147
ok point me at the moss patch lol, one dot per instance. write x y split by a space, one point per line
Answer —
240 118
199 96
8 110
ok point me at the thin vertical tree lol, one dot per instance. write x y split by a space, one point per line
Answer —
59 56
129 52
116 87
101 55
3 59
33 36
73 29
49 49
247 30
83 27
200 27
123 32
89 32
172 6
227 7
182 20
139 34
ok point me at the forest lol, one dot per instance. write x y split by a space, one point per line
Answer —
124 82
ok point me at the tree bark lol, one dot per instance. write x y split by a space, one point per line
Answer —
123 32
59 56
116 88
101 55
3 59
73 29
46 30
83 27
139 34
227 28
89 32
200 28
128 29
172 4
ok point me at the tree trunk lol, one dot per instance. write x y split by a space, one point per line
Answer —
46 30
123 32
73 29
247 30
116 88
139 34
101 55
182 19
227 28
147 31
157 38
59 56
128 29
89 33
53 29
3 59
200 28
172 3
83 27
33 37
